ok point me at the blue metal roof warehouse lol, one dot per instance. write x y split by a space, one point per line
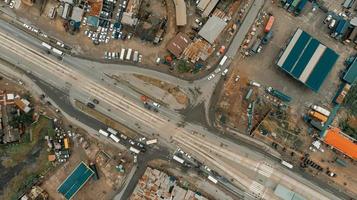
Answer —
351 74
307 60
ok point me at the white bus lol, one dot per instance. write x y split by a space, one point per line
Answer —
128 55
112 131
223 60
114 138
46 45
212 179
286 164
103 133
132 149
153 141
56 51
122 53
178 159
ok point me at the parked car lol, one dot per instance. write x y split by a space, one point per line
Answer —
90 105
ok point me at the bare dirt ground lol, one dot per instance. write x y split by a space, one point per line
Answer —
173 90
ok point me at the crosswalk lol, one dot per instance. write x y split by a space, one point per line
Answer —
265 169
256 189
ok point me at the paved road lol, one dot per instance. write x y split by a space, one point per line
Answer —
69 78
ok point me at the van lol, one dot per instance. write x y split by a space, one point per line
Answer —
224 72
158 60
253 83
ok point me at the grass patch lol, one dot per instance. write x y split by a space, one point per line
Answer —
18 152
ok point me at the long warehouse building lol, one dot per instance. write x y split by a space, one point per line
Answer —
307 60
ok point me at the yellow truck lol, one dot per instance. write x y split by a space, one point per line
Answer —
66 143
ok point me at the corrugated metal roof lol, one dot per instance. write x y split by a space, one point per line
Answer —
209 8
351 73
337 140
212 28
203 4
286 194
307 60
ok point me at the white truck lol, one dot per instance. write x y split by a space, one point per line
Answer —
178 159
112 131
286 164
103 132
134 150
212 179
114 138
128 54
321 110
136 56
223 60
47 46
122 54
56 51
153 141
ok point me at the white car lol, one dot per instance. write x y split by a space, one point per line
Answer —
12 4
140 57
224 72
156 104
237 78
217 70
211 77
111 27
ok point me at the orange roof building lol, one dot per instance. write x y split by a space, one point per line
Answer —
341 142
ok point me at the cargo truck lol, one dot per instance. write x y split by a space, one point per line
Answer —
66 143
136 56
278 94
293 5
223 60
94 168
178 159
212 179
342 94
112 131
102 132
47 46
267 37
269 24
153 141
114 138
134 150
300 7
256 47
321 110
128 54
122 53
318 116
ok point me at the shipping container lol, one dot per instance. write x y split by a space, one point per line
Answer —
46 45
223 60
269 24
153 141
212 179
134 150
178 159
318 116
103 133
286 164
122 53
112 131
66 143
128 54
321 110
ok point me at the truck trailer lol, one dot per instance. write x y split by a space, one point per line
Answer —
318 116
300 7
278 94
128 54
122 54
269 24
321 110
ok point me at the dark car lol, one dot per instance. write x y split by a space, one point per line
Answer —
95 101
90 105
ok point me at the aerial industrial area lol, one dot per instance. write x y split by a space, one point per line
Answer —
178 99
